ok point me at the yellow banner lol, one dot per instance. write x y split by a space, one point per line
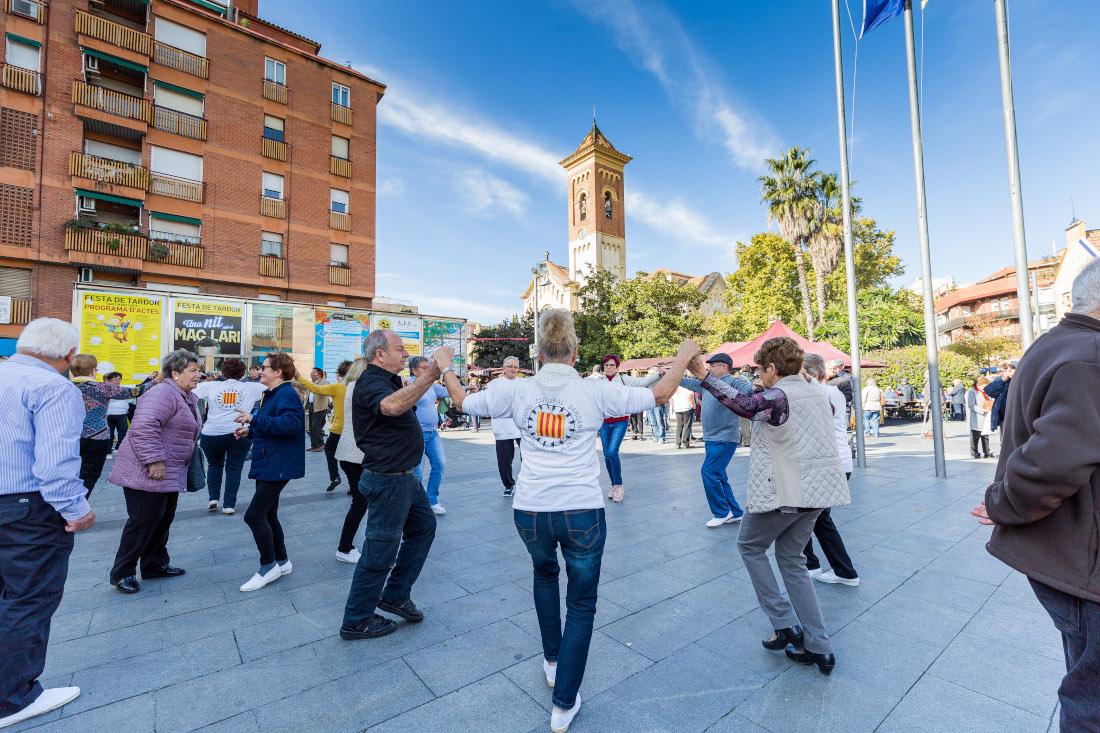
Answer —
123 332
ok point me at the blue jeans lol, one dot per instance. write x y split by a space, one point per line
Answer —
581 535
870 422
657 423
1078 620
399 510
611 437
433 451
228 453
719 453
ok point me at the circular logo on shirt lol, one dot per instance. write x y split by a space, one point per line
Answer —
550 425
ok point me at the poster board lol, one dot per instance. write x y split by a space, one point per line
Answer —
446 332
338 335
123 332
195 321
409 328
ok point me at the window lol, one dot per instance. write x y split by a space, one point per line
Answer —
176 163
21 54
966 310
273 186
338 201
341 95
273 128
173 229
112 152
995 306
271 244
275 71
582 207
180 36
340 146
338 255
180 100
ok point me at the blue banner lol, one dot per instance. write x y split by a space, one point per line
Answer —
877 12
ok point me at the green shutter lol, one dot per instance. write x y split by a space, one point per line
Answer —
212 6
108 197
116 60
176 217
21 39
178 90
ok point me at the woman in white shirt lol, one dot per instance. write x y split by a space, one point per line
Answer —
225 452
872 408
558 502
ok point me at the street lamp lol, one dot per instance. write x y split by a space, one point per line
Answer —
540 277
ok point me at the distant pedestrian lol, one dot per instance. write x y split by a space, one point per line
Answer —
872 407
683 406
957 397
318 405
979 406
337 393
118 411
42 503
504 431
419 366
613 429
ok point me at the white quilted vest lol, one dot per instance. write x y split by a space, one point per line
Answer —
796 463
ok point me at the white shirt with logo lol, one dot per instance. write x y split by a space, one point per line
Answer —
558 415
223 399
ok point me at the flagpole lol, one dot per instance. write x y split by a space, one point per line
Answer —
1023 287
849 254
930 337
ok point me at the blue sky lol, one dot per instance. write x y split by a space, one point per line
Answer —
484 98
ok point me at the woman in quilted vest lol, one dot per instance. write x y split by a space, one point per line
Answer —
794 473
151 467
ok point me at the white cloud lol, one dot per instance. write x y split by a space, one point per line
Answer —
675 218
487 194
391 187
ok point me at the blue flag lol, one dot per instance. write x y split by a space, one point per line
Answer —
877 12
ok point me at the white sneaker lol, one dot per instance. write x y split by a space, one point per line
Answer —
50 699
719 521
212 506
550 669
229 510
438 509
816 573
560 720
258 581
285 569
732 519
831 577
351 556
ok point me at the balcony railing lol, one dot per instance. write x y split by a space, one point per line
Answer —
167 248
179 123
100 242
273 207
175 187
273 149
110 101
30 9
340 221
339 166
20 79
341 114
339 275
275 91
20 311
271 266
114 33
177 58
108 171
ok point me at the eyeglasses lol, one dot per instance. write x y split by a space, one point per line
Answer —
268 367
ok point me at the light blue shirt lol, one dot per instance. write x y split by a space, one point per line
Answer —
720 424
426 412
41 417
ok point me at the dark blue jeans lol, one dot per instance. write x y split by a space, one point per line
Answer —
399 510
224 452
581 535
1079 622
611 437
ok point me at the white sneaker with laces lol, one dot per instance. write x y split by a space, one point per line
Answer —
50 699
212 506
258 581
816 573
351 556
550 669
719 521
438 509
229 510
732 519
286 568
560 720
831 577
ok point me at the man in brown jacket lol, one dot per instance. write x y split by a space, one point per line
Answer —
1044 501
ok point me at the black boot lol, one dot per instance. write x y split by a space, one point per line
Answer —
783 637
824 662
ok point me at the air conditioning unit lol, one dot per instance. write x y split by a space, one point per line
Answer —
85 275
85 205
26 8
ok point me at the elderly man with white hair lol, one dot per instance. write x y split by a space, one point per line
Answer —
505 432
42 504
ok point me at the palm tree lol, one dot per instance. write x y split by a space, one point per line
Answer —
826 238
790 192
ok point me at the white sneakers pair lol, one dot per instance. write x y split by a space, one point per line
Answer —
258 581
719 521
351 556
828 576
50 699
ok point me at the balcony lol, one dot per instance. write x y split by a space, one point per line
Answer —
175 187
114 33
177 58
272 266
109 101
274 149
108 171
275 91
339 274
20 79
275 208
100 242
30 9
341 114
175 249
179 123
340 221
339 166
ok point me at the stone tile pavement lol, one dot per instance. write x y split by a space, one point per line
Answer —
939 637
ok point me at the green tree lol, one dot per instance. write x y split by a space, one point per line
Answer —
875 261
886 319
515 335
653 315
985 350
595 317
764 287
911 363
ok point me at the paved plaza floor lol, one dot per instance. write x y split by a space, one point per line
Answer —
940 636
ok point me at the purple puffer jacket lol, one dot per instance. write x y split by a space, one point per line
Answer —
165 427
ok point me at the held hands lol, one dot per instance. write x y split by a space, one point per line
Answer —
155 470
688 350
698 367
982 515
77 525
241 432
243 417
443 357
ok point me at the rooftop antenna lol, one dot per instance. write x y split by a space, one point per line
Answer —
593 115
1072 210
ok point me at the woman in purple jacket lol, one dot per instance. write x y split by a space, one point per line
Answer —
151 467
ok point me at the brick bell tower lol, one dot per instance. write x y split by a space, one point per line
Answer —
596 207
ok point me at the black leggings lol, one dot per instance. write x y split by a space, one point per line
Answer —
358 508
262 517
975 435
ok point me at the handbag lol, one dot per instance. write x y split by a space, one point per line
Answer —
196 472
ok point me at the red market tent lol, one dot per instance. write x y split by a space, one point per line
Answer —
742 352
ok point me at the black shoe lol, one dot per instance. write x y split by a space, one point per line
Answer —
824 662
975 455
406 609
334 484
127 585
990 455
783 637
509 490
376 627
168 571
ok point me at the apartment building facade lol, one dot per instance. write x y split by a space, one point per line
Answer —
180 148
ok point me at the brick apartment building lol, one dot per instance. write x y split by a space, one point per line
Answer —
183 147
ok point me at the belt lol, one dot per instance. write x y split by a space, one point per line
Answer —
390 473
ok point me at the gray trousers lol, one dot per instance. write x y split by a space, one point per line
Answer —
789 532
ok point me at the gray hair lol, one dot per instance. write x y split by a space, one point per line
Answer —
49 338
177 361
510 360
416 361
814 365
377 340
1086 289
557 336
834 363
